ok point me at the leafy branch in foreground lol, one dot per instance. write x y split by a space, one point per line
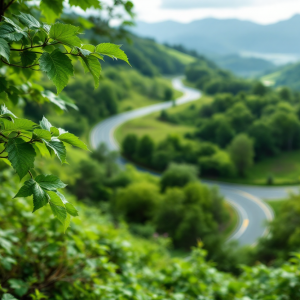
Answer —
27 43
20 142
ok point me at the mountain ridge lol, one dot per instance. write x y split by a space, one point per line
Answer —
227 36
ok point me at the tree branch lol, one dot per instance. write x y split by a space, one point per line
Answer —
9 4
12 65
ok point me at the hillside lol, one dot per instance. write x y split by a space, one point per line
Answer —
284 76
216 36
244 66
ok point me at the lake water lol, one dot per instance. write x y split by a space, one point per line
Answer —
276 58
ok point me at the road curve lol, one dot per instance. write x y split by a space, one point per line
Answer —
253 212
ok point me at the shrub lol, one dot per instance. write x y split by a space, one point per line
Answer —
178 175
138 202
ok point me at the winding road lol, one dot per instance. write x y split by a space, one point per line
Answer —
246 200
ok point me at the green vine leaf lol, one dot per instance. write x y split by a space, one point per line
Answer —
21 155
8 33
28 58
112 51
72 140
92 64
27 189
51 9
41 134
40 197
45 124
85 4
58 68
17 125
29 21
66 34
6 113
58 147
50 182
4 49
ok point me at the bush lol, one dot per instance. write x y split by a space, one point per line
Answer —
178 175
218 164
138 202
145 150
129 145
242 153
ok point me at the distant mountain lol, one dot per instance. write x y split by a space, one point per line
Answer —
244 66
214 36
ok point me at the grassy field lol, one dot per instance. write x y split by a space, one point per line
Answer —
137 100
276 205
283 168
233 221
156 129
182 57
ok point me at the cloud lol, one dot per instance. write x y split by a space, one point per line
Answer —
179 4
188 4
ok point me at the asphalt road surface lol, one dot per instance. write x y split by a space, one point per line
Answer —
254 213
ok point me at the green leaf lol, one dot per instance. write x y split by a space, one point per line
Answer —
72 140
27 189
112 51
41 134
45 124
40 197
89 47
67 222
28 58
69 207
93 65
92 50
71 210
58 207
54 131
19 286
3 84
8 297
29 21
17 125
6 113
55 199
84 52
50 182
8 32
4 49
40 148
51 9
59 212
66 34
58 68
21 155
62 197
85 4
14 25
61 101
59 149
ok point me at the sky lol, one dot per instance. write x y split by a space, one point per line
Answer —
185 11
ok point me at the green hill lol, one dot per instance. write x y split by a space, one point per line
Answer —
284 76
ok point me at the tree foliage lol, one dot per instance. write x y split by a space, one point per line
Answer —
29 45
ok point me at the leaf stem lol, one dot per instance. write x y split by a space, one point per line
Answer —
30 174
